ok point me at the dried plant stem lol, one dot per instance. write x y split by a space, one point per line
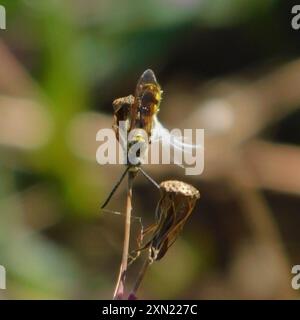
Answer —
120 286
140 277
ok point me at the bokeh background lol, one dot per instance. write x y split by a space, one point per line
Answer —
231 67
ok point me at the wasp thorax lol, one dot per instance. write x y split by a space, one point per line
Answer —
137 146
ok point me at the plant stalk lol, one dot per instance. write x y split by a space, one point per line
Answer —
140 277
120 286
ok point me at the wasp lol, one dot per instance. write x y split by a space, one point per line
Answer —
139 111
138 114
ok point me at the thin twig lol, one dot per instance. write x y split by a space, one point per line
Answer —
131 258
140 277
119 290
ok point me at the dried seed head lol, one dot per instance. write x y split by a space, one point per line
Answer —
176 204
179 187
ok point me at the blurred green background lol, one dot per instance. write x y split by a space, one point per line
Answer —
229 66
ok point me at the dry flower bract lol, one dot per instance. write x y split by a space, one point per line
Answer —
176 203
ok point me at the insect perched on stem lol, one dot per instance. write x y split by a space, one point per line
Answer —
135 120
136 126
138 113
